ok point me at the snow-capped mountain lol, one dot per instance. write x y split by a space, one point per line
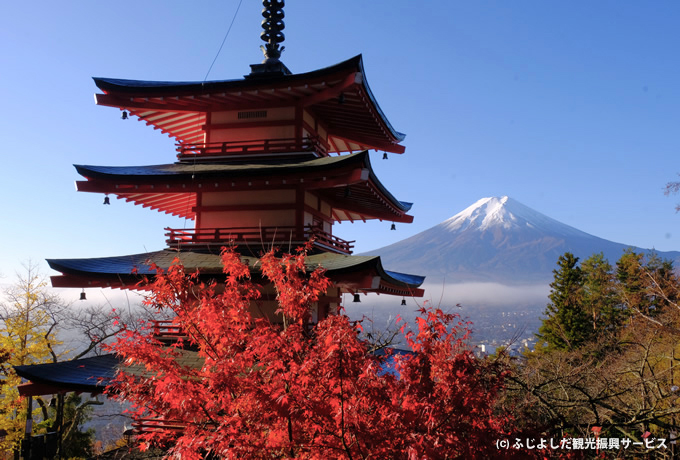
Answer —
496 239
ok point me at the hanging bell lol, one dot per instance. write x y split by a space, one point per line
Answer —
393 227
124 115
82 295
106 200
385 156
128 434
347 193
357 298
403 301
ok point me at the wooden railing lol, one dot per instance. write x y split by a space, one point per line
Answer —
267 146
256 235
167 329
149 425
325 239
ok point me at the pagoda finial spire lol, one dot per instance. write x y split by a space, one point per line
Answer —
272 25
272 35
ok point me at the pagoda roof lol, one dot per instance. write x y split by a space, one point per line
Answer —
172 188
86 374
358 273
338 94
90 375
93 374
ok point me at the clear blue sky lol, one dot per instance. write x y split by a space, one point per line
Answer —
572 108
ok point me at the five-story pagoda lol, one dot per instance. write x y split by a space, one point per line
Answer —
272 159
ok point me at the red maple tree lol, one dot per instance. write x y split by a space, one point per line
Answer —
236 386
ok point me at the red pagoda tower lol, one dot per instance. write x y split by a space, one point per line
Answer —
274 159
271 159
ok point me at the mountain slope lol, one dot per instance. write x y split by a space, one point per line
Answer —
496 239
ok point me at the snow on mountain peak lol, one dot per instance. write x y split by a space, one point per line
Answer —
485 213
496 239
506 213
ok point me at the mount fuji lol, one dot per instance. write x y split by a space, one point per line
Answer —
497 240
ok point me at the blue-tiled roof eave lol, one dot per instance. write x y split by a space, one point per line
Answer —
191 170
154 88
169 87
406 279
87 374
210 264
178 171
402 205
397 135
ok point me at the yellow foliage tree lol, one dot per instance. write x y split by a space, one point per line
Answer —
29 316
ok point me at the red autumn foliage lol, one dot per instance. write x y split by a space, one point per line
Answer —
260 390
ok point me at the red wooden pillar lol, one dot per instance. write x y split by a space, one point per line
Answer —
298 126
299 213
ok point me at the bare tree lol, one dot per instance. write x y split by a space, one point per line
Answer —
672 188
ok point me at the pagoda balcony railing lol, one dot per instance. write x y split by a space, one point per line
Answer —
167 329
154 425
256 146
207 237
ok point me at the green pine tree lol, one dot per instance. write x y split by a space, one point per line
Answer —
566 325
600 298
630 273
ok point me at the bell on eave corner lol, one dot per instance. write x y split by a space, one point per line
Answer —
106 200
385 156
393 227
82 295
357 298
403 301
124 115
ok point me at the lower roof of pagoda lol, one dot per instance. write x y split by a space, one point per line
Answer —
353 273
347 182
93 374
89 375
86 374
339 95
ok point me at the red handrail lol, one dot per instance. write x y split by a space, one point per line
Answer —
240 235
166 328
283 145
146 425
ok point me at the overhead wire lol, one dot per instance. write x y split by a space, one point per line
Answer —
223 40
198 117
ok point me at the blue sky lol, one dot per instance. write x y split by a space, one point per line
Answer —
571 108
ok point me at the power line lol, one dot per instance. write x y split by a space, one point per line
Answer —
224 40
